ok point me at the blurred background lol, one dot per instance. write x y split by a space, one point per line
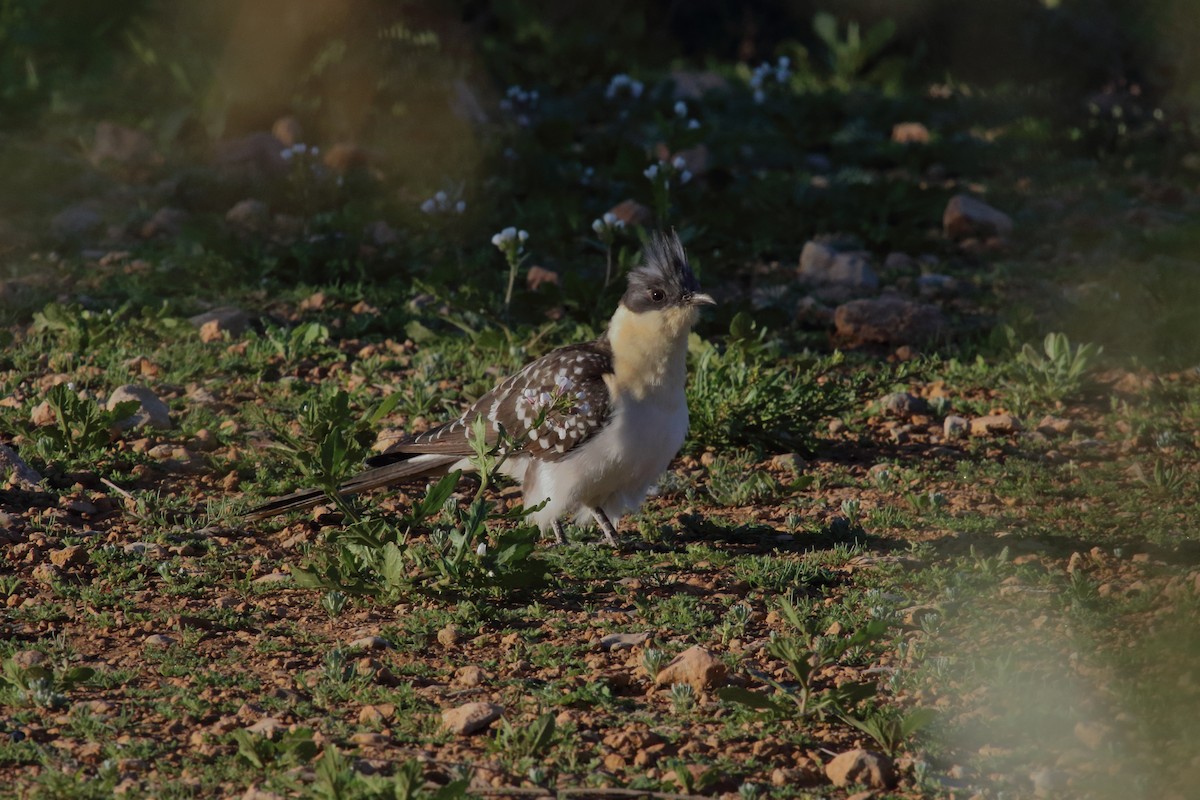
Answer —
144 126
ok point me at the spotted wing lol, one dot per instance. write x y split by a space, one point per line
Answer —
564 389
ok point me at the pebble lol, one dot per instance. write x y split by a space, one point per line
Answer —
696 666
471 717
867 767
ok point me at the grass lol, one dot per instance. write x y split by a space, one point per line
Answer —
851 570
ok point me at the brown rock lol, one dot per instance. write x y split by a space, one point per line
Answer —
623 641
224 319
16 469
249 215
1052 425
867 767
631 212
471 717
470 676
370 643
969 217
152 412
449 636
888 320
345 156
910 133
123 146
696 666
72 556
288 131
995 424
536 276
253 157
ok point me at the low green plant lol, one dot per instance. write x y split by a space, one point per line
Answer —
889 728
332 442
531 741
41 686
747 396
807 655
290 748
81 426
458 556
1059 371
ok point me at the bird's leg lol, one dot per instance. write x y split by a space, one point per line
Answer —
610 533
559 536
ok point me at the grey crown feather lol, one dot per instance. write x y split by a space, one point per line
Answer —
666 268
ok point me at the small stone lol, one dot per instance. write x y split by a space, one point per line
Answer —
867 767
449 636
288 131
848 273
219 321
369 739
631 212
836 426
623 641
1075 563
253 157
1051 426
898 263
17 470
272 577
904 404
910 133
267 726
42 414
159 640
471 717
29 658
955 427
888 320
696 666
249 215
124 146
789 462
152 412
1093 734
75 222
536 276
376 713
995 424
969 217
470 676
370 643
46 573
346 156
72 556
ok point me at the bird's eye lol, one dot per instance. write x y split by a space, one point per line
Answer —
657 295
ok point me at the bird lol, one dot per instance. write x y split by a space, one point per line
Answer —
590 427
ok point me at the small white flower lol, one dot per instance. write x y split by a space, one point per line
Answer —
651 171
286 154
523 235
299 147
598 226
481 549
678 162
681 109
759 96
440 197
427 207
563 383
693 124
784 62
498 240
460 206
529 396
612 220
544 400
315 150
685 176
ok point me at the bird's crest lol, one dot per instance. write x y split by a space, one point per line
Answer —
666 267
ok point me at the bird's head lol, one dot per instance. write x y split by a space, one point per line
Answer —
665 284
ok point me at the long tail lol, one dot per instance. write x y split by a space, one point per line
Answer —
374 478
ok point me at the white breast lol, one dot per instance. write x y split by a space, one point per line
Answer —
614 469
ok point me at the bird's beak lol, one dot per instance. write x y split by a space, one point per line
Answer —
701 299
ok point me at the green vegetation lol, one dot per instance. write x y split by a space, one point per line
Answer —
957 529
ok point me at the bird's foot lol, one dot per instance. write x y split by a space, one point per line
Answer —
560 536
606 527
